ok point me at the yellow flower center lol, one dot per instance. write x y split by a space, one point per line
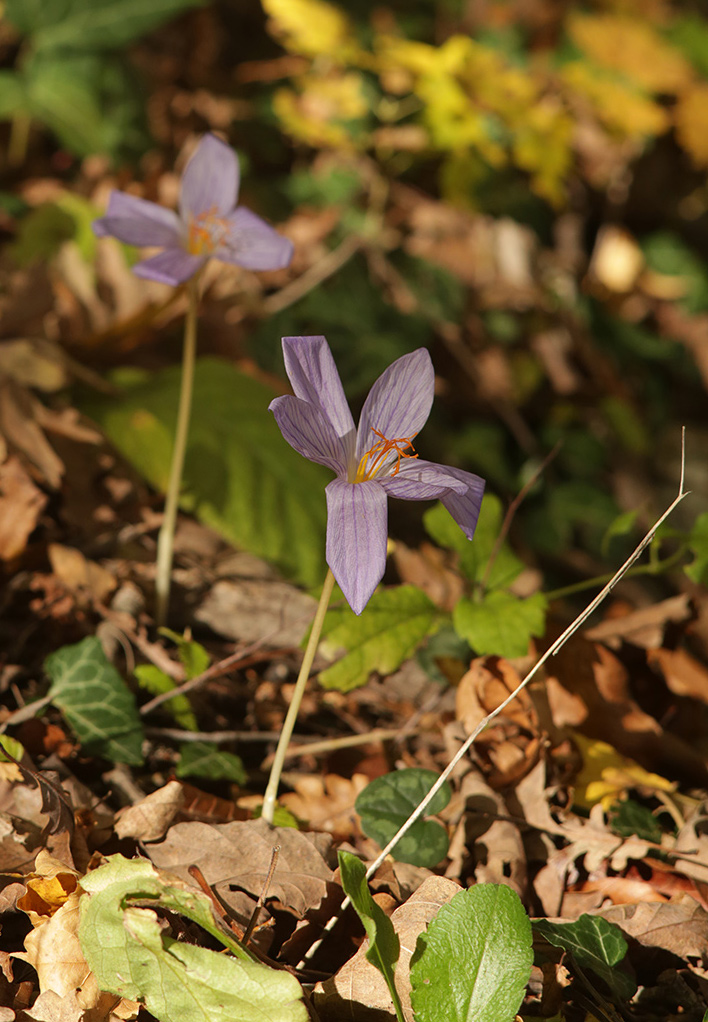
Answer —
206 230
372 461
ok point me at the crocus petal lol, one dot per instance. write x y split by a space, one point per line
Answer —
399 402
210 179
173 266
314 378
422 480
356 538
464 507
309 432
138 222
251 242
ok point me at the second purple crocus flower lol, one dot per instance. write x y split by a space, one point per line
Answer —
209 222
371 463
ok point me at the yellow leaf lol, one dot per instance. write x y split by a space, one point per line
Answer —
323 112
542 146
691 116
607 774
310 27
632 47
616 104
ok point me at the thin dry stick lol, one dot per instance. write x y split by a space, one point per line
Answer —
248 932
551 651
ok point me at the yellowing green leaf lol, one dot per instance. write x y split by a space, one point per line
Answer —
309 27
691 118
632 47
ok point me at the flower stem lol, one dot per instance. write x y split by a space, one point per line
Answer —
165 539
286 733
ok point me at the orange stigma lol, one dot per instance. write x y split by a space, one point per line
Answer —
206 230
373 459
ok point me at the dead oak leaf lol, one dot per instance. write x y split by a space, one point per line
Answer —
238 855
680 927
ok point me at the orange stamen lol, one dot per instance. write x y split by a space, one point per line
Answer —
379 451
206 230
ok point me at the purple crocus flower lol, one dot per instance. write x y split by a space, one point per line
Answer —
208 224
372 462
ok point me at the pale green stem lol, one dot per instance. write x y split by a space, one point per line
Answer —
19 139
166 537
286 733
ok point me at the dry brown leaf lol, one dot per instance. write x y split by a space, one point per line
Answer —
19 426
680 927
645 627
327 803
150 819
252 610
427 568
511 744
683 674
53 949
239 854
21 504
494 844
34 363
79 574
358 990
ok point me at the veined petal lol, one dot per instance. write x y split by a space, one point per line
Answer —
210 179
250 242
307 430
464 507
138 222
422 480
173 266
314 378
399 402
356 538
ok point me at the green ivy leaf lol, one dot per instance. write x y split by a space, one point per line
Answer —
395 622
240 477
96 701
474 960
204 759
384 945
501 624
594 944
133 957
386 803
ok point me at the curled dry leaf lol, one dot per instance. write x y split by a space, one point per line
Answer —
53 949
21 504
150 819
359 989
327 803
512 744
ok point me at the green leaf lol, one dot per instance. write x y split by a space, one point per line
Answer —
15 748
96 701
41 234
386 803
90 24
395 622
203 759
133 957
13 94
594 944
621 526
698 545
474 960
92 103
628 818
501 624
474 556
667 253
384 946
240 476
156 682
